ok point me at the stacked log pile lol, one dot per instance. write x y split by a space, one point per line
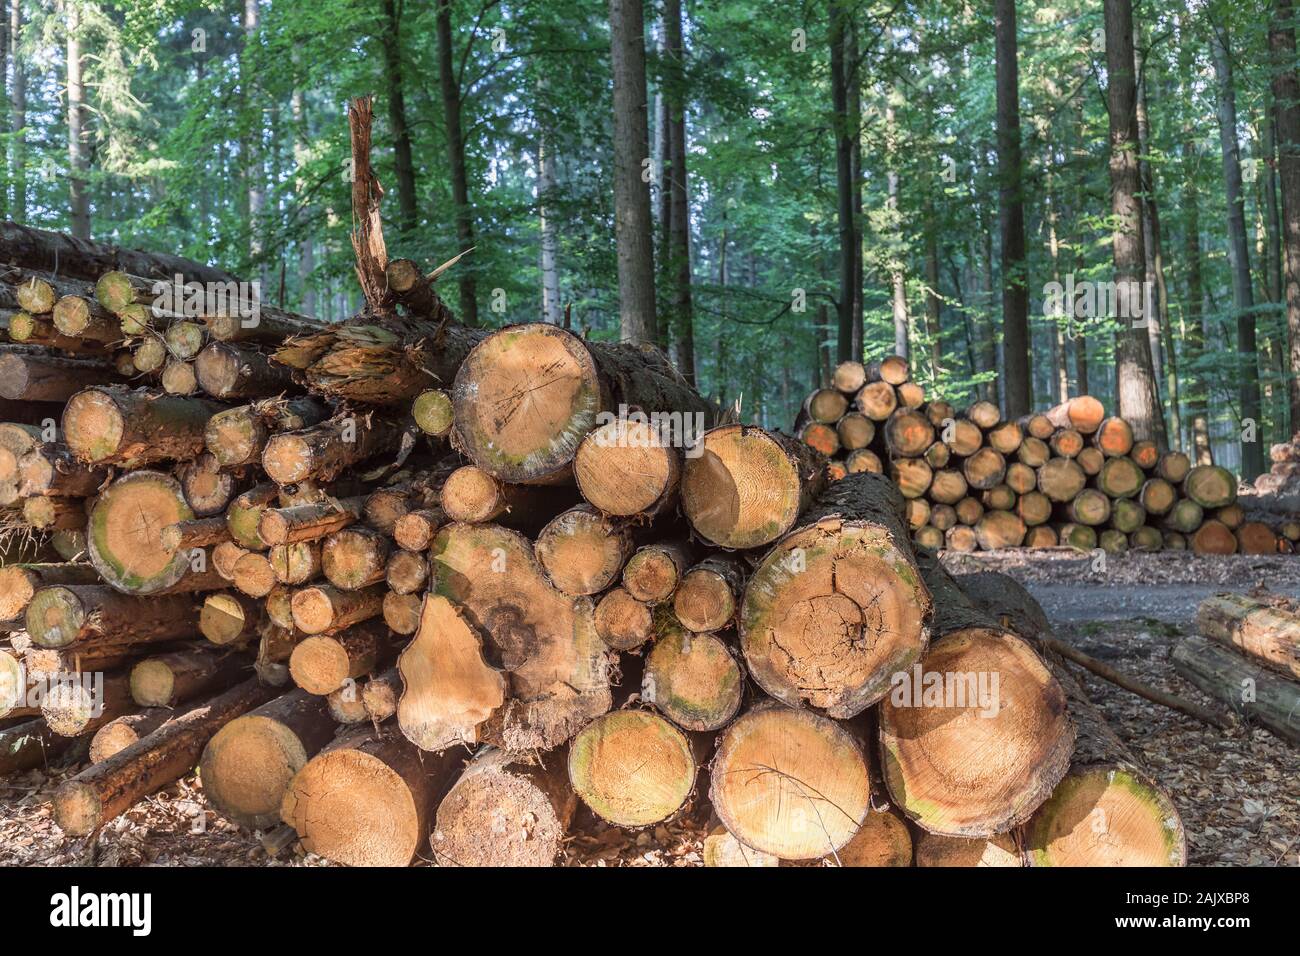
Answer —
1069 476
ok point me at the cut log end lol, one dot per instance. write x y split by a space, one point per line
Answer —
623 468
632 768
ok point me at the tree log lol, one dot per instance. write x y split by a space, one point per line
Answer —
31 373
325 450
116 425
632 768
626 468
583 551
1268 632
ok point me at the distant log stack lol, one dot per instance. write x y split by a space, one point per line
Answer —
1068 476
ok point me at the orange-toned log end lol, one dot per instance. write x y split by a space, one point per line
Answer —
624 468
1214 537
883 840
975 737
746 486
1106 816
449 690
532 790
693 679
623 622
583 551
837 606
790 783
632 768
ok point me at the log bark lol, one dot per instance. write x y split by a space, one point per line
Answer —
100 793
324 451
94 615
1255 694
230 372
309 522
837 606
1266 631
31 373
116 425
116 735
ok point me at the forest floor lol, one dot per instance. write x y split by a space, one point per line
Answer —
1237 793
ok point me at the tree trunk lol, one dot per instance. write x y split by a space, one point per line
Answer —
1286 97
404 165
254 164
633 227
632 768
679 222
78 159
75 257
95 617
18 111
451 103
1243 297
1138 401
1017 387
550 243
1257 695
1267 632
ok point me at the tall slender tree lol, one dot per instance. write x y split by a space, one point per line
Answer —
450 83
633 227
404 164
1135 380
1286 99
1243 296
550 243
1017 388
78 158
843 58
18 112
679 222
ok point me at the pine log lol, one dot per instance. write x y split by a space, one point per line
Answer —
849 376
693 679
50 514
325 450
1269 632
76 704
1106 811
1037 425
883 840
34 374
1084 414
546 640
322 663
208 489
1210 486
747 486
309 522
42 249
231 372
1033 452
1068 443
20 582
237 436
963 755
583 551
1090 507
862 460
984 469
414 530
95 615
1255 537
100 793
1078 536
227 618
498 786
1120 477
825 406
1214 537
448 689
892 369
355 557
1061 479
626 467
116 425
29 745
402 612
244 515
838 605
171 679
1173 466
653 573
51 469
790 783
1146 453
710 592
1256 694
116 735
322 607
407 572
855 431
434 413
908 433
471 494
368 799
948 486
1005 438
527 395
962 437
621 621
248 765
877 401
1114 437
999 850
984 414
124 536
999 529
632 768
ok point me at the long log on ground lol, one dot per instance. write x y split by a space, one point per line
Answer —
117 425
448 688
96 795
547 640
790 783
1106 811
838 605
368 799
496 786
632 768
1267 632
1257 695
976 737
248 765
59 252
747 486
526 396
116 735
29 745
34 374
